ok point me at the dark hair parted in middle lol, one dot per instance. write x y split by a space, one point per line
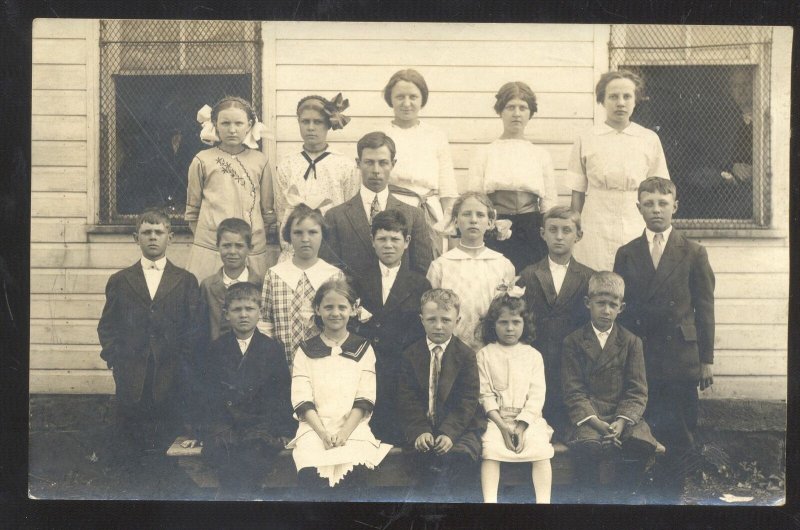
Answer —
410 75
391 221
340 286
376 140
301 212
606 78
515 90
486 331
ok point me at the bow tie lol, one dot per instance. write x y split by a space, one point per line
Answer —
152 266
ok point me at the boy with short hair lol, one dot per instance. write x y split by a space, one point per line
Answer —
390 294
437 398
234 243
148 334
555 290
604 381
245 402
671 307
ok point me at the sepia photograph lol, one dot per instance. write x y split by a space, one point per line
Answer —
409 263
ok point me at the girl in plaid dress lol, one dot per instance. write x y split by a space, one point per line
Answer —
290 286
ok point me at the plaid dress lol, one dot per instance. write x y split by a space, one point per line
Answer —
288 295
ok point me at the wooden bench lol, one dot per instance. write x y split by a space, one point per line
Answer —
393 471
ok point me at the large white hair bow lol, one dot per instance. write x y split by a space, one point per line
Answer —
209 136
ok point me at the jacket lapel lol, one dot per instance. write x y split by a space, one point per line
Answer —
571 282
591 346
611 349
169 280
643 260
546 281
135 277
674 253
422 365
358 219
399 292
450 365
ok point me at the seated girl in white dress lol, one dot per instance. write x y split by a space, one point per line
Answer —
315 175
333 394
512 394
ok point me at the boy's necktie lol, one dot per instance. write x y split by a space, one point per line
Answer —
433 383
374 209
658 248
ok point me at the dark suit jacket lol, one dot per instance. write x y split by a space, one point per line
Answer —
349 242
672 308
458 416
249 393
134 327
212 299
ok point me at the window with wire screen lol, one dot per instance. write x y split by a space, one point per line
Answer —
154 77
706 95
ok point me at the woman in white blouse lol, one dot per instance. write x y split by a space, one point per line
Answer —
423 175
518 177
607 164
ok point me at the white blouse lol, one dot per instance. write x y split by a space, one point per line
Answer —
514 165
424 160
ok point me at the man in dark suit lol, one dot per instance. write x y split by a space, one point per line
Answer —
670 306
437 402
148 333
349 243
390 293
555 288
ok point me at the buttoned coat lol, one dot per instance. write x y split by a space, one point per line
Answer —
212 300
247 393
606 382
671 309
555 317
133 327
349 241
457 412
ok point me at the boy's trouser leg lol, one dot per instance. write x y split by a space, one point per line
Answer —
672 415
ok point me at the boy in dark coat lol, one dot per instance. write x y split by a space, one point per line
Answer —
604 382
438 404
148 333
246 412
555 290
670 305
390 301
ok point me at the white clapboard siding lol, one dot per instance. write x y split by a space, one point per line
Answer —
330 79
55 178
58 102
463 64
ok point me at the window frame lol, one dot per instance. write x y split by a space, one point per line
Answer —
757 54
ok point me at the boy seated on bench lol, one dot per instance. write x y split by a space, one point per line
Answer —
244 409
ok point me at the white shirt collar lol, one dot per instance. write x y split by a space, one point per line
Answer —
160 263
367 196
649 234
388 271
243 277
554 265
432 345
597 332
633 129
317 274
245 343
